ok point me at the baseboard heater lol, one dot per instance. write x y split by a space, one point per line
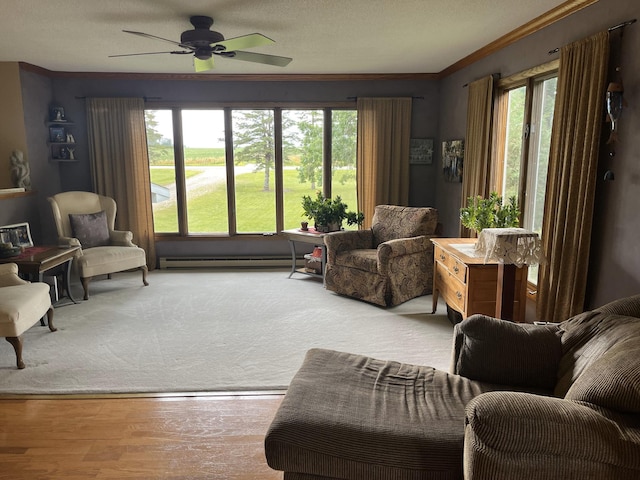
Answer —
224 262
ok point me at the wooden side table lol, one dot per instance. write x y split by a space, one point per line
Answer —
467 283
311 237
35 262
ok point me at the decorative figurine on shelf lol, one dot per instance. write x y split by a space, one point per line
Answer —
70 151
56 114
20 172
64 154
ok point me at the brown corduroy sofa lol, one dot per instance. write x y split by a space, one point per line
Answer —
557 401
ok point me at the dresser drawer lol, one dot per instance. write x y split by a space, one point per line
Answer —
440 255
457 268
452 289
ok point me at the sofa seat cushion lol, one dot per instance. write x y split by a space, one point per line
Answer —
362 259
351 416
21 306
103 260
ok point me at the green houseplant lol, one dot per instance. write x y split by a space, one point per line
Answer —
490 212
329 214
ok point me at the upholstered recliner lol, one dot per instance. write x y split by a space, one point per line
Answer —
22 304
388 264
88 219
558 401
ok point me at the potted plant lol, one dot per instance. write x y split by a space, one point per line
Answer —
490 213
329 214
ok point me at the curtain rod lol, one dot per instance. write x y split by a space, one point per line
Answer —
610 29
413 98
496 77
144 98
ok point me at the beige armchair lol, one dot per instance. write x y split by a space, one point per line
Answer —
88 219
22 304
388 264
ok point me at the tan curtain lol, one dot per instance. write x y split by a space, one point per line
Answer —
573 160
120 166
477 150
384 134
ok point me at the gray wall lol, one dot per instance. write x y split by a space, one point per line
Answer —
614 269
615 262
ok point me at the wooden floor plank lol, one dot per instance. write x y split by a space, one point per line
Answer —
173 438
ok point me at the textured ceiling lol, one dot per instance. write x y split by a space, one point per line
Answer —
322 36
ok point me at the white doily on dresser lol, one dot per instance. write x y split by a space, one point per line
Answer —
516 246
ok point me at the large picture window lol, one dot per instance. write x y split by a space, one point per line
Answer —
230 171
523 149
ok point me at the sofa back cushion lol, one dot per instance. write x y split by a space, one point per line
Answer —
586 338
391 222
501 352
613 380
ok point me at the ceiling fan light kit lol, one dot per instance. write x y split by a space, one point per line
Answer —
203 43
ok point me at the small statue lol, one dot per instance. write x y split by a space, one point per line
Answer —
20 172
71 154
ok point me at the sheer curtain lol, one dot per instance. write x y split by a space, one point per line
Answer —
120 166
477 155
384 133
571 181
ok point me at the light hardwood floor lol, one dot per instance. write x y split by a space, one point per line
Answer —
204 437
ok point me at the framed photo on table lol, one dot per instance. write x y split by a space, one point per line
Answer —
19 235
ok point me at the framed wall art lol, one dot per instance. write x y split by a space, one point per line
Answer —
452 160
421 151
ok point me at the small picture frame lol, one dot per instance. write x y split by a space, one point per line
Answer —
18 234
57 135
421 151
56 114
452 160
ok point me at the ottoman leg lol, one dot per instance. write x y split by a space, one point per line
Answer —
16 342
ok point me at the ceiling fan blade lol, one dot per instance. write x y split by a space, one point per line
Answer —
261 58
245 41
203 65
147 35
179 52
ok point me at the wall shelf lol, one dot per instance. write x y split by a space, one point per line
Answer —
4 196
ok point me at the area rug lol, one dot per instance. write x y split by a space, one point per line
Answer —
212 330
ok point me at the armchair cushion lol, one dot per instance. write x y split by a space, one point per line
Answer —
90 229
612 381
496 351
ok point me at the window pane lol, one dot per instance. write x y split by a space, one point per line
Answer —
544 95
302 138
254 164
205 170
513 143
343 158
162 170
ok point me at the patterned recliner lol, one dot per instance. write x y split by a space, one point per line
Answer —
388 264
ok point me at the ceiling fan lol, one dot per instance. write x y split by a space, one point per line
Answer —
203 43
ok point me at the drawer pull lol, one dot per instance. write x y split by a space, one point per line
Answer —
456 269
442 257
459 295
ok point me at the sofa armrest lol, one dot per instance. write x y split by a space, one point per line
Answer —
400 247
522 435
337 242
515 354
9 275
68 242
122 238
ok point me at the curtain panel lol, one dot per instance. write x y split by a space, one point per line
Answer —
120 165
571 181
384 135
477 155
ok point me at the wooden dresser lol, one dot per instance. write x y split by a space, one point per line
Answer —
467 283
